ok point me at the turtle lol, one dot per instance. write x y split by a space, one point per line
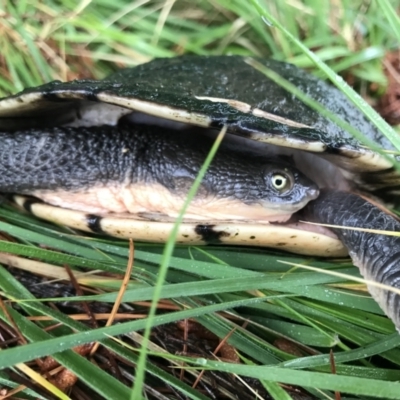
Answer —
117 156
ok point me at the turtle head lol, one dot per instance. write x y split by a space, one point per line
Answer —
286 187
254 188
281 191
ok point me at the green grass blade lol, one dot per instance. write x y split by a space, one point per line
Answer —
358 101
169 248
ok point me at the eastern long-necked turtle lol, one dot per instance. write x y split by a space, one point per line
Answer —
118 156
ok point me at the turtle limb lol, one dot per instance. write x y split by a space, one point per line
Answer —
376 255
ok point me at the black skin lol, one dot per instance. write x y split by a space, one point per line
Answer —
377 255
77 158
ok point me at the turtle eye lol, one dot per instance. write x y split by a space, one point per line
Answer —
281 182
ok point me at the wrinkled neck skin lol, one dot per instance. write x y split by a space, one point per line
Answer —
144 169
376 255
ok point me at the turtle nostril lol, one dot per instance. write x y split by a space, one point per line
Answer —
313 193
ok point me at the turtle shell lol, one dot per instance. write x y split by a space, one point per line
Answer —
211 92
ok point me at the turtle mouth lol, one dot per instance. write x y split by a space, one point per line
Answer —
298 221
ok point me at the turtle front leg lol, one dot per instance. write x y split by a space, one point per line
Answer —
376 255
